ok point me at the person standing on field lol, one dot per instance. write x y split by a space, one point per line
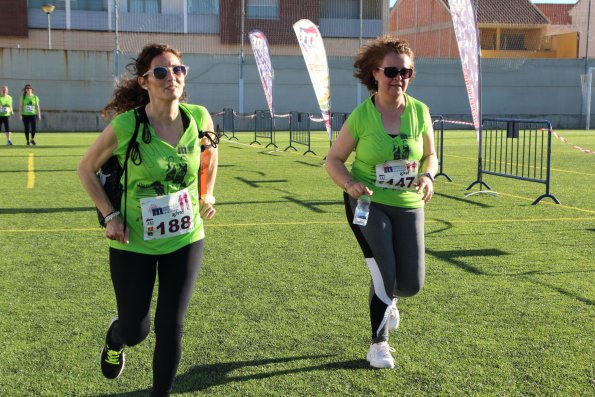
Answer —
30 113
6 111
395 163
159 230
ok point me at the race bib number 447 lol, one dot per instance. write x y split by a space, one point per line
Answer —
397 174
167 216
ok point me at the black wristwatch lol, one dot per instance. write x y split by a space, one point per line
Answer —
428 175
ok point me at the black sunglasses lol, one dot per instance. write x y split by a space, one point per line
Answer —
391 72
160 72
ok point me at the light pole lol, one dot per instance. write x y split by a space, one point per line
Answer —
48 9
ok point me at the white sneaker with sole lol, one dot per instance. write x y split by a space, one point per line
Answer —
394 318
380 356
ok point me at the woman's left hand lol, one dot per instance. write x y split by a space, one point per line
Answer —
207 210
426 186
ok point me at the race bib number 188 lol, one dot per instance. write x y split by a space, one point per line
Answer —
167 216
397 174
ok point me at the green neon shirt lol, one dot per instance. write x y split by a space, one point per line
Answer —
5 101
164 169
374 146
29 100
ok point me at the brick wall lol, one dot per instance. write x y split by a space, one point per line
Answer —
14 18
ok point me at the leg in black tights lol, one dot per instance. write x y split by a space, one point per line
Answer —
133 276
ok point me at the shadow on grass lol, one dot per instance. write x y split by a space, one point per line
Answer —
14 211
447 226
464 200
205 376
313 205
257 183
309 164
452 257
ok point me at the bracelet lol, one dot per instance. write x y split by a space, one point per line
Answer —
111 216
427 174
208 198
348 184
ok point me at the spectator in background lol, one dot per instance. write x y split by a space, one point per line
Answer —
6 111
30 113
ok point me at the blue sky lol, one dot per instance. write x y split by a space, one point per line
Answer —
533 1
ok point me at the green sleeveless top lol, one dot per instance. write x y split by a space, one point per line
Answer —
5 105
374 146
29 105
164 169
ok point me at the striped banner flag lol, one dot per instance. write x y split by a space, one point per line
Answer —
312 47
262 55
465 27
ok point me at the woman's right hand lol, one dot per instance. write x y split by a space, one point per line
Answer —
356 189
114 230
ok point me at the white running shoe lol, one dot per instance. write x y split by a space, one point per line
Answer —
379 355
394 318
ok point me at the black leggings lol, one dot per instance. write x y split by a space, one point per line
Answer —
133 276
30 123
4 122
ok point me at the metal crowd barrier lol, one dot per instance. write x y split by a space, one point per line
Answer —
438 124
263 127
519 149
299 131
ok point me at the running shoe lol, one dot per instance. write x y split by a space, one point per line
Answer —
33 142
112 360
379 355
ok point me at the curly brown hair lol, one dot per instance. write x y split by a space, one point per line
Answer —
370 56
128 93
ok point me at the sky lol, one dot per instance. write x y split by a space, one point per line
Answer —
392 2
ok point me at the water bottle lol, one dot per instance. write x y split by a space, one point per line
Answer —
362 210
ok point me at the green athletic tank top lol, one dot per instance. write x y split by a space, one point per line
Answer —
5 105
29 105
374 146
164 170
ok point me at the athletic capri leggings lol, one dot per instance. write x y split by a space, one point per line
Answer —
393 246
4 122
133 276
30 124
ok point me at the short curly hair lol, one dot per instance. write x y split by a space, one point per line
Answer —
370 56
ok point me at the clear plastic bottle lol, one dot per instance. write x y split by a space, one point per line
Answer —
360 217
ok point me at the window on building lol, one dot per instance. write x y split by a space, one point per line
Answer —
349 9
263 9
340 9
208 7
144 6
513 42
88 5
36 4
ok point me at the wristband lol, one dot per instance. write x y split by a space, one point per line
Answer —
111 216
428 175
208 198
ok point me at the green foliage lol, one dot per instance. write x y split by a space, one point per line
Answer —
280 308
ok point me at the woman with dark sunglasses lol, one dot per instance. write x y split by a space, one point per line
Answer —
395 160
158 230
